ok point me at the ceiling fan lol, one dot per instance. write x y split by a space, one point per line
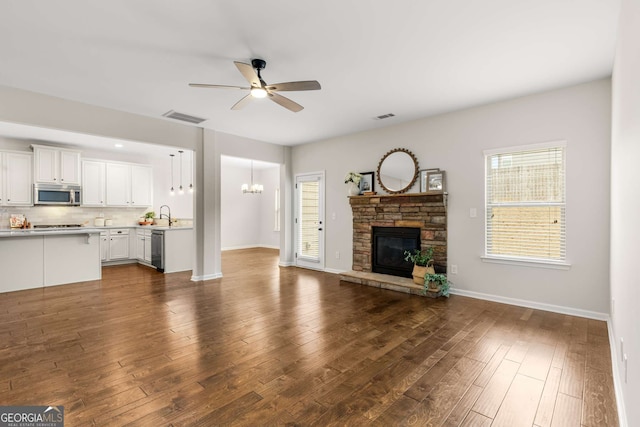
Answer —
260 89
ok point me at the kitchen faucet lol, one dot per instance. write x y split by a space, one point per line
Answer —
168 216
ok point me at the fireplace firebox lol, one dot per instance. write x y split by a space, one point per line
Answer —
388 247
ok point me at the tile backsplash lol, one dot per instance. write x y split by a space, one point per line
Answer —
72 215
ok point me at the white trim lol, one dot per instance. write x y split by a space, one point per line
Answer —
206 277
233 248
334 271
532 304
286 264
528 147
526 262
617 382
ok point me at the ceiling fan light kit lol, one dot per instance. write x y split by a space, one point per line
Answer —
260 89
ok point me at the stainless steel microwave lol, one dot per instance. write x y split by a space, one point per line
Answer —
63 195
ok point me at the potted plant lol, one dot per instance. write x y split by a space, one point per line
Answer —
149 217
422 263
436 283
353 178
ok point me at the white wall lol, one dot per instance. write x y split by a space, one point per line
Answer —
625 209
247 219
181 204
454 142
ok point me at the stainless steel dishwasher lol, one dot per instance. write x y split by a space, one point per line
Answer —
157 250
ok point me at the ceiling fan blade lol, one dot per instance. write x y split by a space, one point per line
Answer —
291 86
241 104
285 102
249 73
217 86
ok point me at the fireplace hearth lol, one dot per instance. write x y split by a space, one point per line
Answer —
389 245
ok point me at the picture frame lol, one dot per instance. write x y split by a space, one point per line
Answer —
423 178
436 181
367 182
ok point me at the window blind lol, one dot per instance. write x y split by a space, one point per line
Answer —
525 204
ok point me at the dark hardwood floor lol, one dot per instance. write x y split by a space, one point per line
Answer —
286 346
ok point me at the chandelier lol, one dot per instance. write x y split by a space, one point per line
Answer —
253 188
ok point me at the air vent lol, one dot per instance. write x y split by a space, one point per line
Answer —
384 116
184 117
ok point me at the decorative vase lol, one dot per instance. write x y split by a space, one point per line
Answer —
354 190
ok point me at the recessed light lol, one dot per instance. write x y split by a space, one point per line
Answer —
119 145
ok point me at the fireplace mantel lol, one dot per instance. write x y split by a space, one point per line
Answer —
426 211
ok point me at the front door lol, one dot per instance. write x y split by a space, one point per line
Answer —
310 220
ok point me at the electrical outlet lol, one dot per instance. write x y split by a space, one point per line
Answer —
333 215
625 367
622 348
337 254
454 269
473 212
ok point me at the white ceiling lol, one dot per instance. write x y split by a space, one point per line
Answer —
410 58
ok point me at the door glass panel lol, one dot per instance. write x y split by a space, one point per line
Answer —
309 219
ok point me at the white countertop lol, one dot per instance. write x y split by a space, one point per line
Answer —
17 232
47 231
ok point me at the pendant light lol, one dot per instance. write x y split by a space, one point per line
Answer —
191 170
181 190
254 188
172 192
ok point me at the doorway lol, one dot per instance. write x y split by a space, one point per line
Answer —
309 220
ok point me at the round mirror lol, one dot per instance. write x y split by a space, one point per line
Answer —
398 171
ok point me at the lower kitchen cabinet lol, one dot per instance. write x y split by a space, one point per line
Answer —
143 245
114 244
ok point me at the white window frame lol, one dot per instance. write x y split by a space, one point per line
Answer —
516 260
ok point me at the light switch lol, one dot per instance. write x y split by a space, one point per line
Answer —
473 212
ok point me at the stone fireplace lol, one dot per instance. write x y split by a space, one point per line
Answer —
425 212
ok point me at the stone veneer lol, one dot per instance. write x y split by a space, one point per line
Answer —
426 211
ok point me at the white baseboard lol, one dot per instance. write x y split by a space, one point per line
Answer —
286 264
333 271
234 248
206 277
531 304
617 381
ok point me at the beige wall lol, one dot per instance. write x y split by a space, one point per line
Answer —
454 142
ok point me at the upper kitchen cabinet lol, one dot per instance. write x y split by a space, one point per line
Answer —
53 165
16 179
93 183
129 185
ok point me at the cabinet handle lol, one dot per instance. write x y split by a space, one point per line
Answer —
54 179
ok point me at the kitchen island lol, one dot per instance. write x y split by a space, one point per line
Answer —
37 258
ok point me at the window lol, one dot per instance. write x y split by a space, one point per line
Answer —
525 203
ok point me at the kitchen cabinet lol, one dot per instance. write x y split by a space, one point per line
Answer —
129 185
93 183
143 245
118 244
53 165
104 246
16 179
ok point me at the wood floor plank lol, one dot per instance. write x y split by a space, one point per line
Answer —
287 346
460 411
599 403
475 419
568 411
520 404
537 361
544 415
491 398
